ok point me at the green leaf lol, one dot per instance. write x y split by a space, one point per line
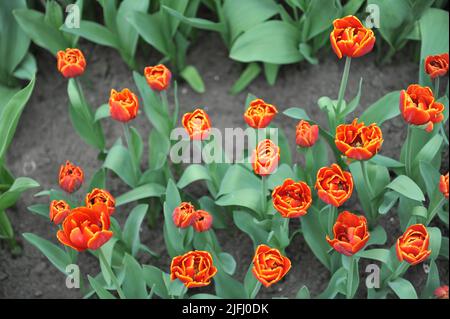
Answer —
44 35
193 173
134 287
379 254
236 178
432 283
20 185
429 151
228 287
384 109
403 288
14 43
140 192
245 197
271 72
193 78
132 228
53 253
389 200
335 284
119 161
10 116
303 293
297 113
407 187
27 68
247 223
237 15
101 292
435 241
271 42
227 262
98 180
155 280
40 209
378 236
198 23
250 73
386 161
159 148
306 52
102 112
94 32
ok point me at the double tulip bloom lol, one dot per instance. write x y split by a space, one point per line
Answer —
269 265
59 210
358 141
443 185
194 269
350 233
334 186
259 114
418 107
265 158
306 135
292 199
412 246
86 228
197 124
71 62
436 65
350 38
101 196
71 177
185 216
158 77
123 105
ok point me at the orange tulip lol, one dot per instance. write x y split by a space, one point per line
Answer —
334 186
197 124
158 77
265 158
418 106
203 221
86 228
98 195
59 210
184 215
441 292
436 65
350 233
292 199
269 265
350 38
259 114
71 63
194 269
443 185
412 246
306 135
123 105
358 141
71 177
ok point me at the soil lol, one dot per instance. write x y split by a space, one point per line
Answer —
45 139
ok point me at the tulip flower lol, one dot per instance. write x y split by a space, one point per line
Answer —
194 269
71 177
71 63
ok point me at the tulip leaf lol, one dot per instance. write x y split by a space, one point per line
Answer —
403 288
198 23
236 178
303 293
250 73
55 255
245 197
389 201
432 283
10 114
228 287
20 185
251 283
335 284
140 192
193 173
154 278
378 236
40 209
271 42
193 78
382 110
94 32
101 292
102 112
386 161
379 254
133 285
271 72
204 296
407 187
435 241
119 161
132 228
246 222
159 148
297 113
98 180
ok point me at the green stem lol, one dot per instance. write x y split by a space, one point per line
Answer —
255 291
369 189
309 163
437 87
264 195
111 274
349 291
343 86
435 210
332 216
126 130
165 102
398 271
408 151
